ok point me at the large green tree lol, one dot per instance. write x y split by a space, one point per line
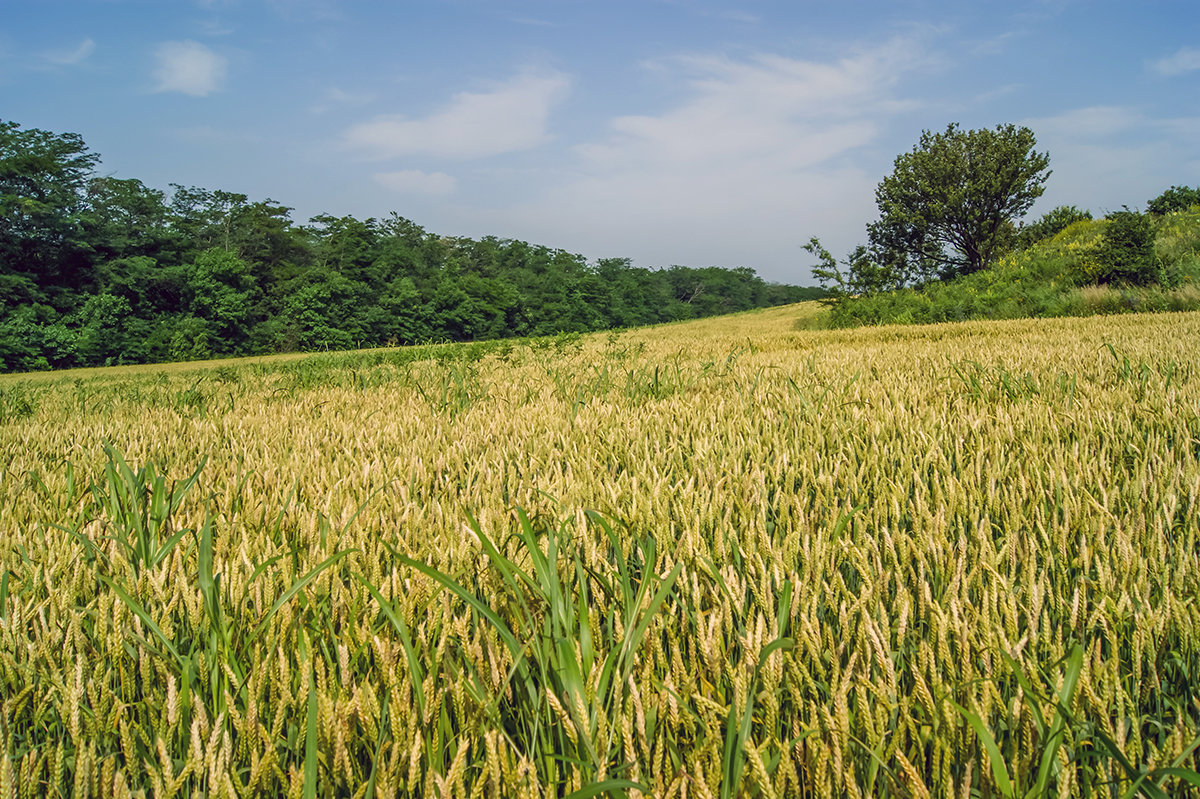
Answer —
221 290
948 207
43 184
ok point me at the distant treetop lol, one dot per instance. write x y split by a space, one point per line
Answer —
1176 198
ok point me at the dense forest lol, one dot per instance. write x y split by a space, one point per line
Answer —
97 270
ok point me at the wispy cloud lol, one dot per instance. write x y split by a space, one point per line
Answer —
188 67
414 181
1184 60
216 134
71 57
770 108
214 27
335 97
753 145
509 117
1093 122
309 10
1104 157
995 44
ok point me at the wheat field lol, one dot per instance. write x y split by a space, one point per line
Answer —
733 557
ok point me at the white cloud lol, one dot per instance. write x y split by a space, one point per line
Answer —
188 67
510 117
753 159
1094 122
785 111
1105 157
335 97
71 57
414 181
1186 59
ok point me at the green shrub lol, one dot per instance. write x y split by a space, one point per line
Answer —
1176 198
1177 244
1050 224
1127 253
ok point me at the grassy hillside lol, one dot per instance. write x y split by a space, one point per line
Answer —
718 558
1065 275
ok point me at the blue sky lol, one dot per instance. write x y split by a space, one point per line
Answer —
696 132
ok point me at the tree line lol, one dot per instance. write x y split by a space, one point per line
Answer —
97 270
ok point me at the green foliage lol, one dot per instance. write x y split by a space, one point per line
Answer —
1127 253
125 218
557 654
863 276
97 270
1177 241
1050 224
221 290
16 402
190 340
100 334
1069 274
137 507
1176 198
948 205
43 177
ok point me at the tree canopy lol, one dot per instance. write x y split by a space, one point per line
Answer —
1176 198
950 203
43 182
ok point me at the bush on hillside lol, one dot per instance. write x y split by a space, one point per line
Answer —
1127 253
1177 243
1176 198
1051 223
1068 274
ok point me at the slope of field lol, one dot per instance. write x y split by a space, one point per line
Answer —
727 557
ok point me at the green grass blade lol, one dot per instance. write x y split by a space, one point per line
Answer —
995 759
299 585
141 613
607 788
1058 730
634 639
731 760
383 717
1019 674
515 647
310 735
415 670
1186 774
